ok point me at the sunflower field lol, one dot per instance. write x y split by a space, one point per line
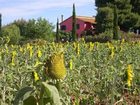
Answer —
71 73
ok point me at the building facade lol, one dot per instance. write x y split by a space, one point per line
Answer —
83 24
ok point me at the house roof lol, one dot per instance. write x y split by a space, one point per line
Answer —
84 18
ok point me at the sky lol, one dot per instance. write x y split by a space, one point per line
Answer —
50 9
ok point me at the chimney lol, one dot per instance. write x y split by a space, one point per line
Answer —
61 18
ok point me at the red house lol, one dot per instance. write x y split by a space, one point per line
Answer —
83 24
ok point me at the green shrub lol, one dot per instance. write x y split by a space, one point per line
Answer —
13 32
103 37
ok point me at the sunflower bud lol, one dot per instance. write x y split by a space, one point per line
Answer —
91 46
13 58
123 40
31 51
78 49
71 64
39 53
112 52
130 75
55 67
21 49
35 76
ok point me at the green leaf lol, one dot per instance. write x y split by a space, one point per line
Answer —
21 94
53 93
30 101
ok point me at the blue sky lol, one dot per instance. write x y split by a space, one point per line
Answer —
49 9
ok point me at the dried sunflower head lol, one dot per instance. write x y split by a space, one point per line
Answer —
55 67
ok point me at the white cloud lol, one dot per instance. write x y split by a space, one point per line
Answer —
26 7
15 9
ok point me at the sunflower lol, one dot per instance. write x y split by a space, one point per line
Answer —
55 67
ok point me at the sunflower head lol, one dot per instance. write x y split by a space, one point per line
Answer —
55 67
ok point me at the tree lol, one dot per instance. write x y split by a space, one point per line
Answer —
39 28
104 19
131 21
73 23
21 23
33 29
135 6
124 6
128 11
0 24
57 31
13 32
103 3
136 10
125 9
115 25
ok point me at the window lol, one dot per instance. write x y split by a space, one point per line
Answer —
77 26
63 27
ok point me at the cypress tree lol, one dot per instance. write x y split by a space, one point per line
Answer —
115 27
57 31
0 24
74 23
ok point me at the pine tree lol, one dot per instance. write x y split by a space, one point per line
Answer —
74 23
57 31
124 12
115 27
135 6
104 19
103 3
136 11
126 19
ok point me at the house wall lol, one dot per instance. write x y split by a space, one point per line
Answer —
89 26
68 24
